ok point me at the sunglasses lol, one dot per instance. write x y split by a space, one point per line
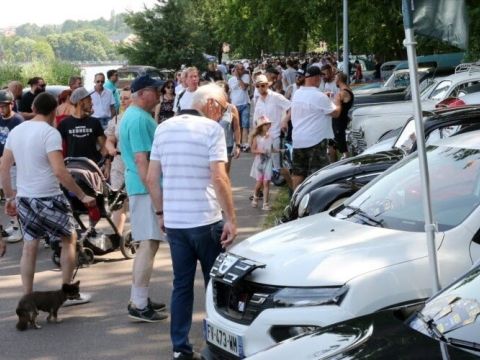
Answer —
42 85
224 108
100 81
261 85
169 87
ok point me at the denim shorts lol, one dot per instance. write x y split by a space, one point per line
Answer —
244 113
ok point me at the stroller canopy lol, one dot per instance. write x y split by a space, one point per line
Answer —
86 174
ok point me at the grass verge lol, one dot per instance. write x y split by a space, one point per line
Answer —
281 200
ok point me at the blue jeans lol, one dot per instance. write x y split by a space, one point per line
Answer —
186 247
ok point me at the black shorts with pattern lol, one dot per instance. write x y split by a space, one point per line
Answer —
308 160
47 216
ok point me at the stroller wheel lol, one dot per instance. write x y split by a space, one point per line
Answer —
128 246
85 256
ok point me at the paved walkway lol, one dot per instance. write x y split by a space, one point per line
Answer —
101 329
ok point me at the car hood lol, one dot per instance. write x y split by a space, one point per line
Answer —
321 250
394 108
348 168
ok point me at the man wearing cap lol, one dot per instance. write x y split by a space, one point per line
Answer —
83 134
189 154
8 120
311 114
136 137
273 106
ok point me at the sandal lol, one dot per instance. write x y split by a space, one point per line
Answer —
266 207
254 201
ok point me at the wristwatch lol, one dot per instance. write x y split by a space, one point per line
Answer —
159 212
238 145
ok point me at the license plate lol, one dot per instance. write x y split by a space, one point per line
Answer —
223 339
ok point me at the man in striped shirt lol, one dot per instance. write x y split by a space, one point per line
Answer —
189 154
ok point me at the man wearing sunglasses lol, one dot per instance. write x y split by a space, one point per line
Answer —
273 105
37 86
103 101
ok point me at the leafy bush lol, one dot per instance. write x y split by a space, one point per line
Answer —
53 72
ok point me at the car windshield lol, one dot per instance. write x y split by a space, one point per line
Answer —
394 200
454 312
407 138
441 90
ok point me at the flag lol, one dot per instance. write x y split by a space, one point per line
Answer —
442 19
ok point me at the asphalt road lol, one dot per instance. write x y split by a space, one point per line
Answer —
101 329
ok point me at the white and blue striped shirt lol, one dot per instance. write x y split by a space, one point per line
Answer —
185 145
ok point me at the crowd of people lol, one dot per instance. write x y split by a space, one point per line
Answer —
171 144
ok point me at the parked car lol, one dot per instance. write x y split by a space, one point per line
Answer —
368 254
331 185
409 332
126 74
371 122
396 88
386 69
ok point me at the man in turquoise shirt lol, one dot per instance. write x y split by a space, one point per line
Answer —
136 137
110 84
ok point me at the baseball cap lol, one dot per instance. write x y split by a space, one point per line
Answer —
301 72
312 70
6 96
144 81
79 94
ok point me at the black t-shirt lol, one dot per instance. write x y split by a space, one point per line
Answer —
26 102
6 125
80 137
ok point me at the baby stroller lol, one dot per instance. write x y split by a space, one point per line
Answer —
91 242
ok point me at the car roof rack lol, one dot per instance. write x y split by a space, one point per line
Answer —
470 67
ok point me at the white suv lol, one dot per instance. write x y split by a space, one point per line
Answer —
370 122
368 254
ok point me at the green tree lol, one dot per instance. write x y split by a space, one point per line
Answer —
168 35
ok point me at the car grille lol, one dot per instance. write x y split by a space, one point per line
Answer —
356 139
242 302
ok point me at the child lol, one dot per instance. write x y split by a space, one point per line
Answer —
261 144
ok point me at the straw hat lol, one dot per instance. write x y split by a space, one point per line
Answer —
262 120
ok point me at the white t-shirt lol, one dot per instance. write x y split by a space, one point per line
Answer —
273 107
185 145
185 102
30 142
310 121
238 96
179 88
330 87
102 104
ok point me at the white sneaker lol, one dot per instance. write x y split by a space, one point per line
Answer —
83 298
14 234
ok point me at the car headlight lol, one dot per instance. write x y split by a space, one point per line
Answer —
297 297
302 207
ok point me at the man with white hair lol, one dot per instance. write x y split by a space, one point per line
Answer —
189 155
136 137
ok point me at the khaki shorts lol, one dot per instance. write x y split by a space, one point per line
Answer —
143 221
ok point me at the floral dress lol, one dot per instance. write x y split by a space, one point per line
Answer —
263 164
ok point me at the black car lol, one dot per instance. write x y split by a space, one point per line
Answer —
332 184
412 332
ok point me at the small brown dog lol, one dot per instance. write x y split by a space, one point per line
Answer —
48 301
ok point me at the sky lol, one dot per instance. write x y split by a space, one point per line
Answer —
43 12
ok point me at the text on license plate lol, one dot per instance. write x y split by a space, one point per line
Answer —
223 339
